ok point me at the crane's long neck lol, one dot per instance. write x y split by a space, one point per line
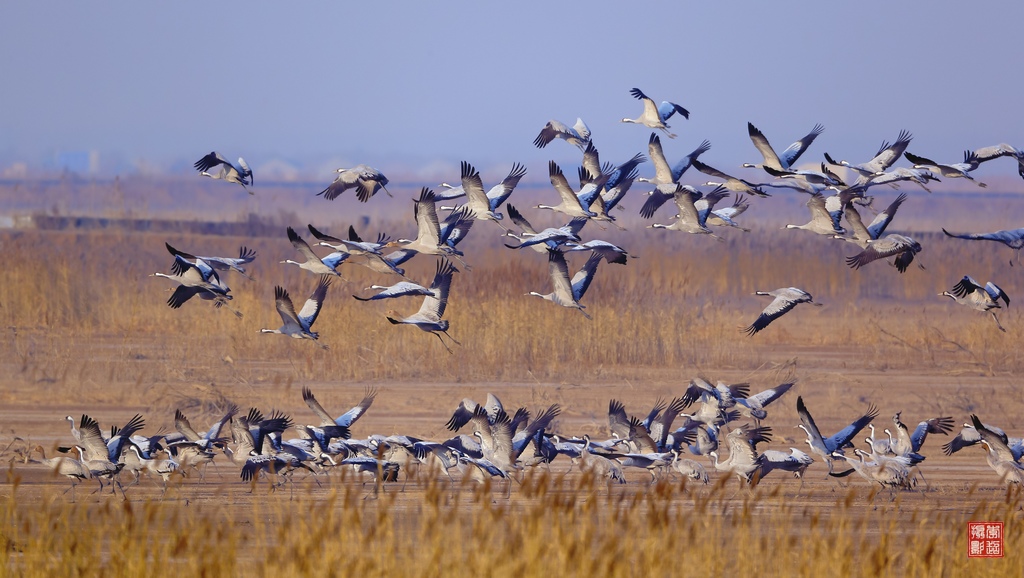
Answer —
541 295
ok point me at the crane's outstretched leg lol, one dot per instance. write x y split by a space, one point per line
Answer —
506 229
996 319
444 344
452 338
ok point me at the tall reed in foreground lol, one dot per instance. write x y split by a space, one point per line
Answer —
550 525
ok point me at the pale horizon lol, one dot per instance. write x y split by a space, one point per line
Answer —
138 89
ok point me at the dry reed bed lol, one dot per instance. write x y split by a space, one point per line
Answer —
679 304
551 525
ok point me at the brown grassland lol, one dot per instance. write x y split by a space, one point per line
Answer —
87 331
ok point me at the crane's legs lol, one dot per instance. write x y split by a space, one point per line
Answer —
996 319
444 344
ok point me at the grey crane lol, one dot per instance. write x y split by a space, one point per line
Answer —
254 436
813 179
909 443
240 174
495 438
753 406
689 468
652 462
794 461
195 278
887 154
893 473
250 433
786 298
612 183
338 427
723 217
192 457
615 191
952 170
998 454
365 179
694 208
731 183
565 292
550 238
705 441
902 247
299 325
664 174
365 253
428 318
879 445
979 297
656 115
65 466
894 177
578 134
985 154
788 157
102 457
631 429
969 436
400 289
283 463
826 213
225 264
207 440
826 447
318 266
659 423
599 465
467 409
617 176
1013 239
382 470
574 204
164 468
725 394
431 238
743 459
608 251
495 196
478 205
860 235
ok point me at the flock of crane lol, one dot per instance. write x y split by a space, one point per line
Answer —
499 442
504 446
831 201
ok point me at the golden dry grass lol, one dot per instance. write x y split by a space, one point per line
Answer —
679 304
552 525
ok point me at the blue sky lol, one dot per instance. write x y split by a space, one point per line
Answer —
412 84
